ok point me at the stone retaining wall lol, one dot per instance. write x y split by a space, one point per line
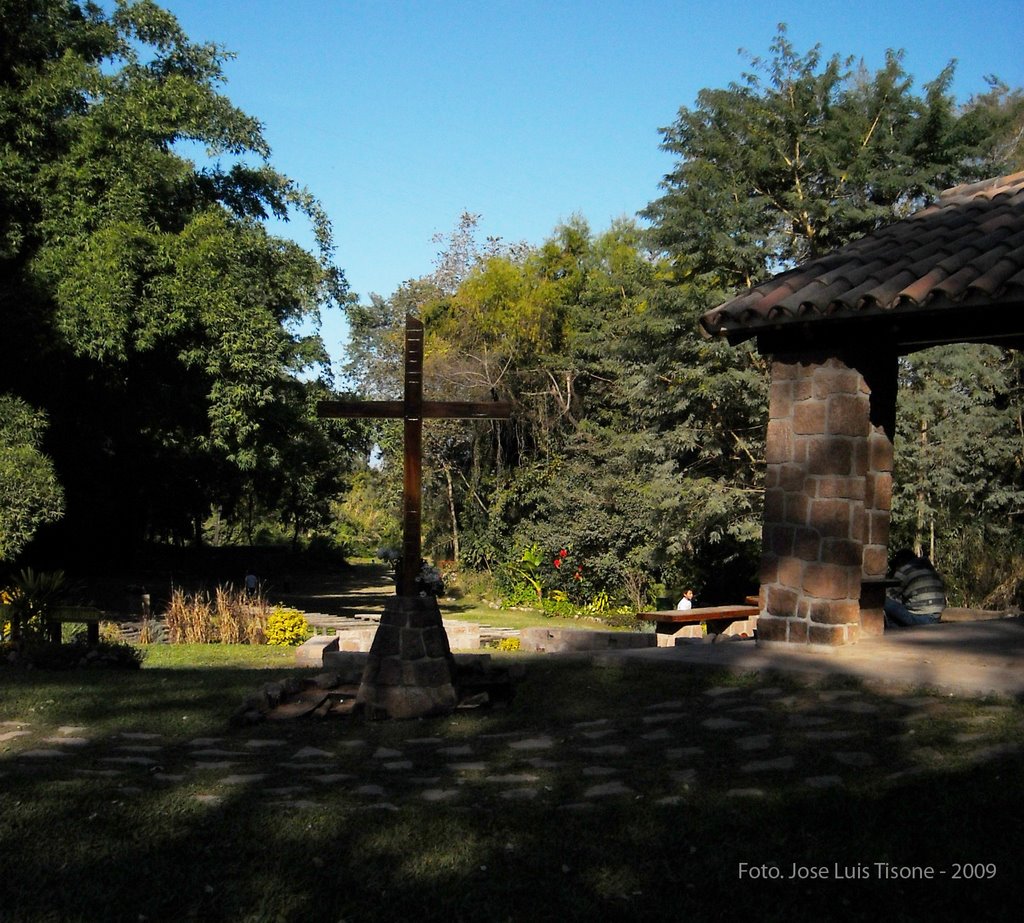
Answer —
554 640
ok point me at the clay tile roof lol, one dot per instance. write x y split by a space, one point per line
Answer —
965 250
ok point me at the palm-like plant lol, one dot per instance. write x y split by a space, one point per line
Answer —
32 595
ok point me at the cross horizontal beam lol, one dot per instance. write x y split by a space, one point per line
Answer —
429 410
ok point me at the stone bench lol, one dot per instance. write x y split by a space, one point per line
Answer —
672 625
462 636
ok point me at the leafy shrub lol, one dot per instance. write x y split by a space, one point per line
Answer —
30 493
286 627
518 595
557 604
44 655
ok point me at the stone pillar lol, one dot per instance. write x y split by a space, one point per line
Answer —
881 378
827 493
410 669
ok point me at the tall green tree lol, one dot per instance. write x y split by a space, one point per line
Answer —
801 156
145 306
806 154
627 446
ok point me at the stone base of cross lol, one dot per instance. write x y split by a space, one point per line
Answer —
410 670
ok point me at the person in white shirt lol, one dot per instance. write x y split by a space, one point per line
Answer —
687 601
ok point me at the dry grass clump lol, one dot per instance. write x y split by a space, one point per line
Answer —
232 617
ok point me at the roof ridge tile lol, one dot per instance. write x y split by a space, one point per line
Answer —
981 186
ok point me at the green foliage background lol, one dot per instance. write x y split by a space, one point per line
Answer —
170 342
636 443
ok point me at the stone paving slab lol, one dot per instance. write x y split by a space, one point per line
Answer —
574 768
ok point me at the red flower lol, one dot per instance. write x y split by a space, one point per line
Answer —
563 553
557 562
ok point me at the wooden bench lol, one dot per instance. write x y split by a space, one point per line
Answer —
85 615
75 615
669 622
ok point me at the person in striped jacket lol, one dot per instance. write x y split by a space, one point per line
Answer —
920 596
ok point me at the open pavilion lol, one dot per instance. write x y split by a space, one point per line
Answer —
834 329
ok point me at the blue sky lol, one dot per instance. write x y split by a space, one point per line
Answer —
401 114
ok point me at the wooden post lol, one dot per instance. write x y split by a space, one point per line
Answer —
412 495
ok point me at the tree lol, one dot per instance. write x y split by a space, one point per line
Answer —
959 479
806 154
800 157
627 445
29 493
463 358
145 305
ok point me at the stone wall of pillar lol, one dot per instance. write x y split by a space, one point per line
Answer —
827 498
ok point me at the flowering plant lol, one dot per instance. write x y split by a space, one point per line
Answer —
429 581
553 580
566 575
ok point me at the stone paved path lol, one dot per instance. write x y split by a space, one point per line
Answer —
735 742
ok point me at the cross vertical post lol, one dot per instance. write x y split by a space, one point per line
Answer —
412 493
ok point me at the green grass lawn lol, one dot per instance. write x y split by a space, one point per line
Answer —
474 611
228 656
934 781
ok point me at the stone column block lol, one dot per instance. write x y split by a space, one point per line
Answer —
771 629
829 455
848 416
845 552
827 635
780 601
797 633
875 561
830 518
826 581
809 417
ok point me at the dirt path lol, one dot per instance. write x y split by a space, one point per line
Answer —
360 589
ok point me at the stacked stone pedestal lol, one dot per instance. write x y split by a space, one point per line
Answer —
410 669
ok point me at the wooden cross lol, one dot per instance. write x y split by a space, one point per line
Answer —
414 410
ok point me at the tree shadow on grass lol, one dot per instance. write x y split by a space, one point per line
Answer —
151 844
